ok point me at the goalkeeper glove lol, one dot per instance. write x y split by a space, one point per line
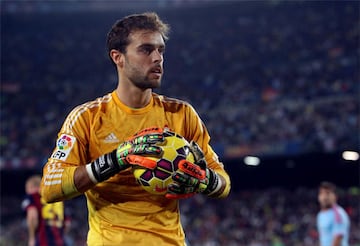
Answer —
192 178
131 152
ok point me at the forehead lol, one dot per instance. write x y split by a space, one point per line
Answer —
326 191
140 37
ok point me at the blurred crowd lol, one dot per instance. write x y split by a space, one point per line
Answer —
272 77
270 217
267 217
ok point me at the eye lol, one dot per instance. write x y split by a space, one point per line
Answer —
161 51
146 50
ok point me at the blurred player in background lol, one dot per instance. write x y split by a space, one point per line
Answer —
332 221
45 222
100 141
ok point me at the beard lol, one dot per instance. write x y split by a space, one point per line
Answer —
144 82
326 206
140 78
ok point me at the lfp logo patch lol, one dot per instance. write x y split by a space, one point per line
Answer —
64 144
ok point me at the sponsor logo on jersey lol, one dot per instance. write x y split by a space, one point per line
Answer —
64 144
111 138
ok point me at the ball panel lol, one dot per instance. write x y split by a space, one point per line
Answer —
176 162
147 175
165 164
161 174
143 183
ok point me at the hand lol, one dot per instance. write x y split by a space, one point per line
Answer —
192 178
132 152
135 149
31 241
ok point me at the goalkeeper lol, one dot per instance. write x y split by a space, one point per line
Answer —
94 153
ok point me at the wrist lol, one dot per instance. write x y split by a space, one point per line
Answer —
214 185
104 167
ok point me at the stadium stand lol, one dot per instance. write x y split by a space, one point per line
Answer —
261 79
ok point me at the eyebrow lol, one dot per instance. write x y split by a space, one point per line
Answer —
152 45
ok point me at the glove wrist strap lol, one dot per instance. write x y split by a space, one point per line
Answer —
103 167
214 185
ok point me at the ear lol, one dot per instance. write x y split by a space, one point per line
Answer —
117 57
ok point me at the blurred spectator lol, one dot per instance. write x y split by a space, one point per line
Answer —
333 223
46 223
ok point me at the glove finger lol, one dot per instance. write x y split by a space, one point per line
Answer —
149 139
178 196
192 169
145 149
141 161
185 179
176 191
148 136
198 154
148 130
202 187
175 188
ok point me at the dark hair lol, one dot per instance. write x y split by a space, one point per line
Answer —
328 186
118 36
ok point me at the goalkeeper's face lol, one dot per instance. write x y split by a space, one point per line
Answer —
143 60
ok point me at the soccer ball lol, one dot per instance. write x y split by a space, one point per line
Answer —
175 148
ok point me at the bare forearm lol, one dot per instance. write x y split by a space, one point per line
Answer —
82 180
32 223
337 240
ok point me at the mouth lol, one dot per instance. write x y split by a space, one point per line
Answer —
156 70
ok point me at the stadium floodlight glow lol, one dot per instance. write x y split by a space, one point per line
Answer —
252 160
350 155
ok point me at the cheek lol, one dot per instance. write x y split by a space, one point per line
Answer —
332 198
322 198
136 66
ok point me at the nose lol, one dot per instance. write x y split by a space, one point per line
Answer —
157 56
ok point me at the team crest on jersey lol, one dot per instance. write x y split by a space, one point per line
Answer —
64 144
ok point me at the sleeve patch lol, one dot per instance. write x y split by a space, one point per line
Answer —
64 144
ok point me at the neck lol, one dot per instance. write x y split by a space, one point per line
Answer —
327 206
132 96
